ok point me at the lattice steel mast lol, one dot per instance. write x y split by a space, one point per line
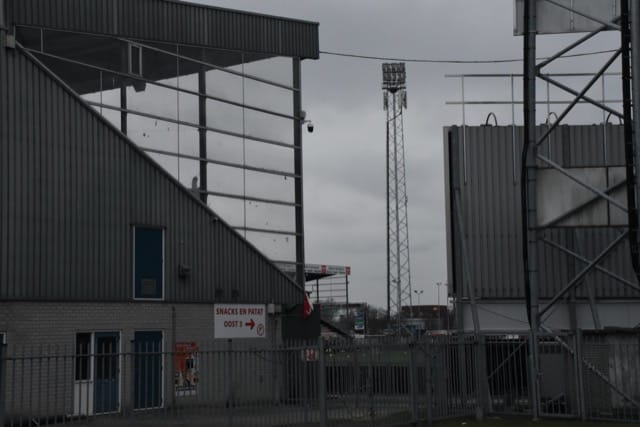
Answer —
398 267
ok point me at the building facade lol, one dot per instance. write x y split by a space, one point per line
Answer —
484 229
150 169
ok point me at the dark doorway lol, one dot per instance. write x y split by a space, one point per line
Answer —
148 370
106 372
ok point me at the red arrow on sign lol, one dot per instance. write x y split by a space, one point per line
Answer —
250 324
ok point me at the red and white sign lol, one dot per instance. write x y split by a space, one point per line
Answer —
307 307
240 320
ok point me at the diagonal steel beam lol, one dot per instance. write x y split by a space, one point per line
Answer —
582 206
576 280
584 97
589 286
577 180
601 269
608 25
579 96
571 47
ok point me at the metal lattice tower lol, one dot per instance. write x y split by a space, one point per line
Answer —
398 271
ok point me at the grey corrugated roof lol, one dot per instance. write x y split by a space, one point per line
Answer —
172 21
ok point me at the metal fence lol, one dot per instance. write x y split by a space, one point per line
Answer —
381 382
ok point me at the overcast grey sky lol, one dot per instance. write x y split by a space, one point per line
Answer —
344 159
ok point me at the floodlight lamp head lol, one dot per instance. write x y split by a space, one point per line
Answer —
394 76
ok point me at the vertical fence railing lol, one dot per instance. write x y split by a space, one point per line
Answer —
591 376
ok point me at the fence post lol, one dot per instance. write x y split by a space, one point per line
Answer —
370 390
3 370
582 412
482 386
428 378
322 383
228 380
534 395
413 390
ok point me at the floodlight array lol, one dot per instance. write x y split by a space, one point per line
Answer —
393 76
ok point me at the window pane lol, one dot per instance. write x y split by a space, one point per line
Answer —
105 52
110 85
153 99
219 58
134 60
158 65
224 116
152 133
188 108
275 246
189 142
277 69
224 148
268 186
149 253
269 156
269 97
224 85
80 78
83 350
189 75
224 179
266 126
270 216
113 116
230 210
168 163
189 169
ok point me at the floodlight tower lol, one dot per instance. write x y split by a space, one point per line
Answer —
398 271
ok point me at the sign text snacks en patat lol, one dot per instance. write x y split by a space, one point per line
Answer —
240 320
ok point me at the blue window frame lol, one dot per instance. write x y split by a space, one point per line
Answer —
148 272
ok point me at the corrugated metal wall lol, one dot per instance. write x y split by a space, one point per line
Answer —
491 212
172 21
71 189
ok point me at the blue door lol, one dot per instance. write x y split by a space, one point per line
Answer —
107 372
147 374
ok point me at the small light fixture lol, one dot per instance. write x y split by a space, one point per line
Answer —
184 271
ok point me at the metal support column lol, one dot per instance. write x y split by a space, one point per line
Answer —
399 283
202 133
388 226
635 69
527 183
398 256
3 347
123 107
297 160
630 152
3 24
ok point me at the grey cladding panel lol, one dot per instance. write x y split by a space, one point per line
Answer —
490 208
172 21
72 188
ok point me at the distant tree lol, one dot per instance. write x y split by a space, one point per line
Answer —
375 320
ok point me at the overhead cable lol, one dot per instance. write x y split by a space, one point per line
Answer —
454 61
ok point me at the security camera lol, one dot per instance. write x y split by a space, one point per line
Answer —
310 127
